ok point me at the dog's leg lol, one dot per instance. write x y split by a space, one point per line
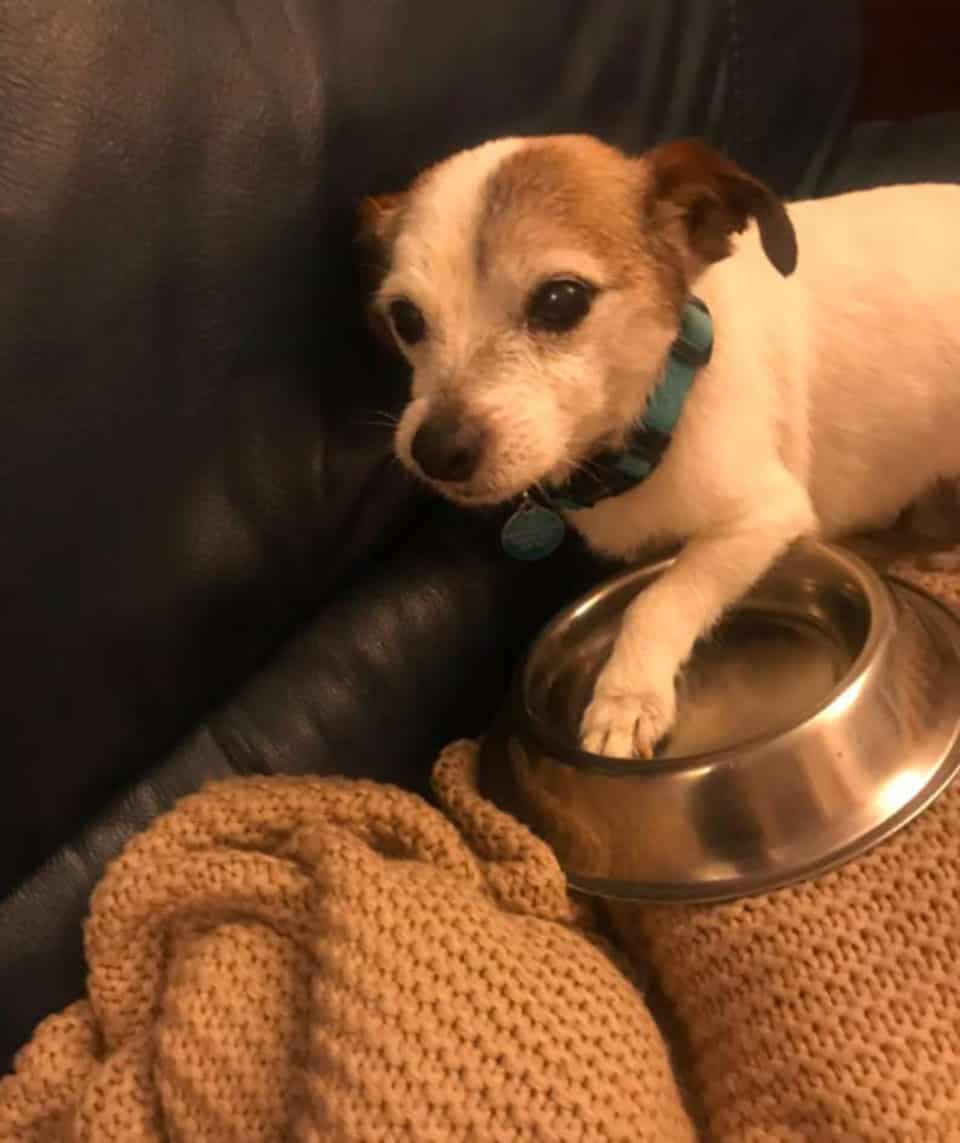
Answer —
634 702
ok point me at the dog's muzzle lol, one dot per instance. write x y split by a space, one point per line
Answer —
447 446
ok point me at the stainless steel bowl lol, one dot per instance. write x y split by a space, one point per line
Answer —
821 716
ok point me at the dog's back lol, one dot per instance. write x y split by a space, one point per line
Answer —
865 337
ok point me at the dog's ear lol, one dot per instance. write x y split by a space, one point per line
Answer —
715 199
378 222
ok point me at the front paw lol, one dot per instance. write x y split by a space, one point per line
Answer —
627 724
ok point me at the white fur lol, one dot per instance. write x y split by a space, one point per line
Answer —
832 400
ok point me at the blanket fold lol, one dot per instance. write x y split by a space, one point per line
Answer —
324 960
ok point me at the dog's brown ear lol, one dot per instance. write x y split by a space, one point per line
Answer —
378 221
716 199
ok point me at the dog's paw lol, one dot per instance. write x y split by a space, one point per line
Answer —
626 725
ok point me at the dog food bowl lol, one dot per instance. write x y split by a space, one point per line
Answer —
820 717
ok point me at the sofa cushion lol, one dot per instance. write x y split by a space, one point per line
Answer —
897 151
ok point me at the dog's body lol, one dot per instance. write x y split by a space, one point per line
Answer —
832 398
844 376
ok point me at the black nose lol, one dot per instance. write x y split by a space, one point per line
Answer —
447 445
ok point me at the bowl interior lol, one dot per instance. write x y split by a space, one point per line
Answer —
773 661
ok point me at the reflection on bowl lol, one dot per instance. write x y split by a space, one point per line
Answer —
821 716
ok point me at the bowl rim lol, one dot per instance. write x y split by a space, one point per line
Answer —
535 732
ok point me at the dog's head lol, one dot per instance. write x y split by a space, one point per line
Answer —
535 286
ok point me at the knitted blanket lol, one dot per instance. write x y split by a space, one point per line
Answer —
321 959
324 960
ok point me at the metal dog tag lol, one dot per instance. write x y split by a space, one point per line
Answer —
533 532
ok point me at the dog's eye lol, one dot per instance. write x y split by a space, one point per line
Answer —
408 321
559 305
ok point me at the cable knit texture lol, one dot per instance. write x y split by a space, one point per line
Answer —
324 960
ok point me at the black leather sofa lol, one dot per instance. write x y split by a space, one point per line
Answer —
210 564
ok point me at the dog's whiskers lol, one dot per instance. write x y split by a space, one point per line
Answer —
381 419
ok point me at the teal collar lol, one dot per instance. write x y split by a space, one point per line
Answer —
536 528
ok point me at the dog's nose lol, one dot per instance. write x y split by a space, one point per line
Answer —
447 445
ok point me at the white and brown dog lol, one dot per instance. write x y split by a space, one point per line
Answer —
536 286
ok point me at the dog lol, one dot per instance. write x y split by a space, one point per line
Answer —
536 286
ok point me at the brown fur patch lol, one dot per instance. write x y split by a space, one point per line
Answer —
575 191
379 220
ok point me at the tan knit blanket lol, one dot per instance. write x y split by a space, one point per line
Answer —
330 960
326 960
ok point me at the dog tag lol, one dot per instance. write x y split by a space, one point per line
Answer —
532 532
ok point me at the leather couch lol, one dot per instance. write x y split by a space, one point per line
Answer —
210 564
